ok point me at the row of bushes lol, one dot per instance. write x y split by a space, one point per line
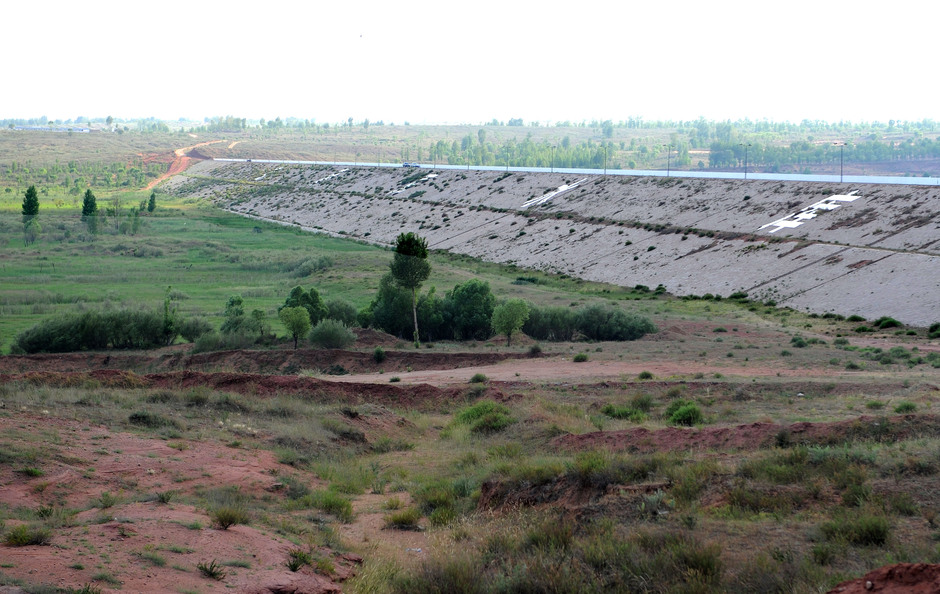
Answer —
93 329
466 312
593 322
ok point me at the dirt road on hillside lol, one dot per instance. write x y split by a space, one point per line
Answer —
180 163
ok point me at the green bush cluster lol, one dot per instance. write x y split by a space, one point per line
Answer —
485 416
593 322
683 412
96 330
332 334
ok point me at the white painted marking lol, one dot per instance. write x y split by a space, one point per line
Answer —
798 218
546 197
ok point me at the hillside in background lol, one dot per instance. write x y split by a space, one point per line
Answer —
872 250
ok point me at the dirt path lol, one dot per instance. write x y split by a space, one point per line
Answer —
556 369
180 163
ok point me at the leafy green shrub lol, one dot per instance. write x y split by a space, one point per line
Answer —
855 318
580 358
468 310
885 322
405 519
485 416
342 311
644 402
192 328
645 375
226 516
332 334
798 342
107 499
934 330
550 323
905 407
478 378
166 497
604 322
623 412
442 516
479 410
856 494
326 501
28 535
492 423
152 420
378 355
683 412
96 330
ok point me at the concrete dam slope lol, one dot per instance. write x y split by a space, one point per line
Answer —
872 250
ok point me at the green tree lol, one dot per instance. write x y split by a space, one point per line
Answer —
31 230
31 227
410 268
309 300
89 205
468 310
332 334
388 310
509 317
296 320
152 203
171 320
234 315
259 322
30 203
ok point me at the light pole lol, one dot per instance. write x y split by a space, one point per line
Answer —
841 146
745 157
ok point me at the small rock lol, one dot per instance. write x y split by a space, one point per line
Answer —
869 585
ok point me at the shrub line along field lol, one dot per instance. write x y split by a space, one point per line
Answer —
741 447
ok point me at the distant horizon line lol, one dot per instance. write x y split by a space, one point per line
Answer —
504 122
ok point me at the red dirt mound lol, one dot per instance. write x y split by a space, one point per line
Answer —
281 361
411 395
909 578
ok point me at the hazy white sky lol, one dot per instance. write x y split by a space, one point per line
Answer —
434 61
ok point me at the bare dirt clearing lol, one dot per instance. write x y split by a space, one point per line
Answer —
146 546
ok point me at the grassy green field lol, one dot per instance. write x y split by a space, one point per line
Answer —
204 255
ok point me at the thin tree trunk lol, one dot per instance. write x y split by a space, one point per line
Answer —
414 311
